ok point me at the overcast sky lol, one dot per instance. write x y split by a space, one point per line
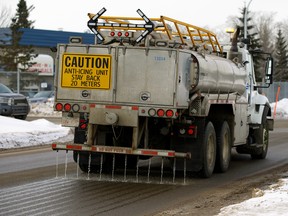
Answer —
71 15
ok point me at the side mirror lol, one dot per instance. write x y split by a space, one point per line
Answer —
269 71
269 67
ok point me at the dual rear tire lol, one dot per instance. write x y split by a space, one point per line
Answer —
216 149
223 148
208 151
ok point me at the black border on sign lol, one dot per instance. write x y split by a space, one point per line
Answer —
81 54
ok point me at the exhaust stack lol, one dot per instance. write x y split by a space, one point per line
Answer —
233 54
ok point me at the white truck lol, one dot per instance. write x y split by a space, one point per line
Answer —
159 87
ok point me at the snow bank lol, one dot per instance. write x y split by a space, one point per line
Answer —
281 109
16 133
272 202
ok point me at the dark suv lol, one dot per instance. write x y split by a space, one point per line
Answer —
13 104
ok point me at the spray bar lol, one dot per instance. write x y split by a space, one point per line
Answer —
121 150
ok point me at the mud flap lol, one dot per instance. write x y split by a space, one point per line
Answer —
192 145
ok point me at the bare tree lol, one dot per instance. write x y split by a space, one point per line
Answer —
5 16
267 30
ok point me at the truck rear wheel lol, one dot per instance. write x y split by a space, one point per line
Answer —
223 148
209 151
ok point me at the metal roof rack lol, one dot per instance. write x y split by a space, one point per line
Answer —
173 29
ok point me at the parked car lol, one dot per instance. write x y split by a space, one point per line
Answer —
42 97
13 104
28 94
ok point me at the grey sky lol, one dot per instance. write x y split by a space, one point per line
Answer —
71 15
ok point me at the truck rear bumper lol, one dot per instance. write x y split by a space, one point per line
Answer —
120 150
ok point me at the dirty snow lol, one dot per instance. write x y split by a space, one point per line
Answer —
270 202
16 133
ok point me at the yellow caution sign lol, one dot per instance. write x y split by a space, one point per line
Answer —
86 71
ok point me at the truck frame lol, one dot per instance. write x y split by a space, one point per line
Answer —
159 87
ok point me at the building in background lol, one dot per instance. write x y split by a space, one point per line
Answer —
41 75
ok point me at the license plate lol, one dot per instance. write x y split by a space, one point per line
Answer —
86 71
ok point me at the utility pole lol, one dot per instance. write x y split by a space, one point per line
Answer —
245 21
245 46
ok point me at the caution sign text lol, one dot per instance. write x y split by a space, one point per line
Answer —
86 71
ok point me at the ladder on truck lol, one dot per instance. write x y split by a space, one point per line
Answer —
172 29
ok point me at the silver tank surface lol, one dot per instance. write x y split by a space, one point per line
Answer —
214 74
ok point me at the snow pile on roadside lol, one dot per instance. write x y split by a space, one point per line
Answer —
272 202
19 133
43 110
281 109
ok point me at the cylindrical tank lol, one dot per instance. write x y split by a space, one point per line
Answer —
214 74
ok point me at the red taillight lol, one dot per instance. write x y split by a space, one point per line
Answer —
59 107
83 126
67 107
112 34
169 113
126 34
119 34
192 130
160 112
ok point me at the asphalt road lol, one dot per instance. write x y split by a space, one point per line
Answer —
32 184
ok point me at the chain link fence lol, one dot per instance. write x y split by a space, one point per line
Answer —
27 83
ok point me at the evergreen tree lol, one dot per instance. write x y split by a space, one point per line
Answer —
281 58
13 52
254 43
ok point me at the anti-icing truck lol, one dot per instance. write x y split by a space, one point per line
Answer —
159 87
